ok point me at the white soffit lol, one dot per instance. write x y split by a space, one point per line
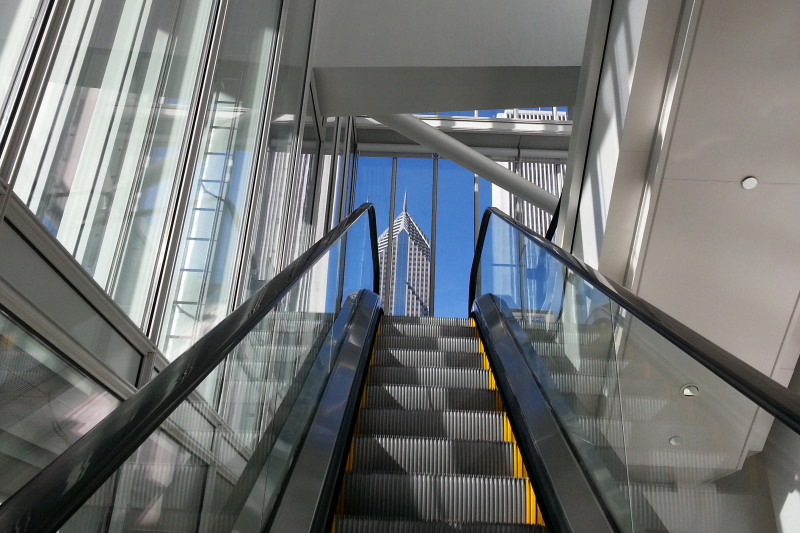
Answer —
383 56
720 258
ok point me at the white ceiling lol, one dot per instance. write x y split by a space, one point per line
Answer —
385 56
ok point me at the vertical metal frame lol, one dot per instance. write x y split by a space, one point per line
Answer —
386 290
334 188
434 226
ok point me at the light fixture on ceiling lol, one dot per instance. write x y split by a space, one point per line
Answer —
749 183
690 389
676 440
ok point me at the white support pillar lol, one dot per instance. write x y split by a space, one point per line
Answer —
459 153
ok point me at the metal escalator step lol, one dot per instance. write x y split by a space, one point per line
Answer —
414 455
428 498
586 352
466 425
607 385
427 330
358 524
464 378
415 397
426 320
447 344
398 357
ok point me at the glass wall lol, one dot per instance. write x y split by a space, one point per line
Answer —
436 207
153 125
46 404
277 214
411 253
16 19
455 237
203 279
99 168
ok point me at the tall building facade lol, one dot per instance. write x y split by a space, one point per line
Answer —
405 259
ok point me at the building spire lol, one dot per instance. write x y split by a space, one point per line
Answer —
405 202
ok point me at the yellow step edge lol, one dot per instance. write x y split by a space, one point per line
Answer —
533 515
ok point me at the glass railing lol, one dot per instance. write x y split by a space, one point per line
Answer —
684 434
187 451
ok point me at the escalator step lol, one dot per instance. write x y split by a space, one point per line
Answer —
428 498
464 378
594 351
429 358
425 320
430 398
427 330
465 425
447 344
357 524
433 456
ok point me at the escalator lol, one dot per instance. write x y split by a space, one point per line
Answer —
433 448
564 403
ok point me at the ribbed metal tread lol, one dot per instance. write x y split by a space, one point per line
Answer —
425 320
446 344
416 455
604 386
427 330
432 497
359 524
399 357
595 351
463 378
465 425
419 398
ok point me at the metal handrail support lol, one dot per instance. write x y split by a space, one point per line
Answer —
55 493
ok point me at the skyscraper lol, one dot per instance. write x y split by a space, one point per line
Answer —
408 256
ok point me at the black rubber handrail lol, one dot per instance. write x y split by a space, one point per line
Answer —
53 495
570 502
774 398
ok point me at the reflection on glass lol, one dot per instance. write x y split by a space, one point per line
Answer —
282 232
47 405
197 472
672 447
99 168
160 488
202 286
16 19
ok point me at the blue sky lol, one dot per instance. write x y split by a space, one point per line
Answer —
455 213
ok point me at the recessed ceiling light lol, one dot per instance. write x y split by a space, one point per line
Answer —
749 182
676 440
690 390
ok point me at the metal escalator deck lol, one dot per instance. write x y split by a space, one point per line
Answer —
433 450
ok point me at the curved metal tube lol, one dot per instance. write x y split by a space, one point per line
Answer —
777 400
53 495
